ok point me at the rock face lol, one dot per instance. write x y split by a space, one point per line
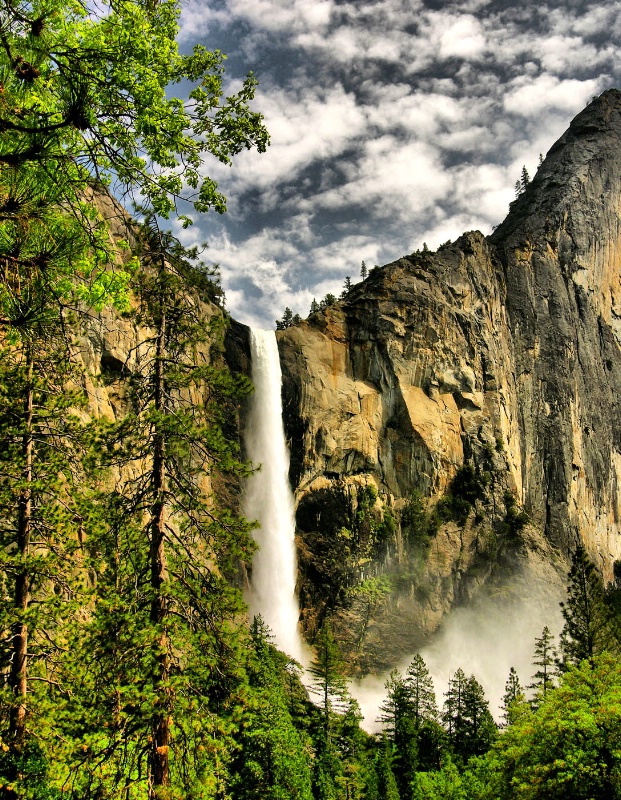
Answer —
500 354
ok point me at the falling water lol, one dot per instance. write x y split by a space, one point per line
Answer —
268 499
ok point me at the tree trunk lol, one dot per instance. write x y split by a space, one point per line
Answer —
18 674
159 772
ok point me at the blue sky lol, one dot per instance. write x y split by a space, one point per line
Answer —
392 123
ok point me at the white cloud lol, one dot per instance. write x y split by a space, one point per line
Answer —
198 18
460 37
593 20
305 128
293 16
547 93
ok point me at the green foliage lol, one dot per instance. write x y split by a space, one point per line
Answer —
466 717
513 699
25 774
328 301
90 89
158 657
347 286
327 670
272 756
546 658
288 319
418 526
466 488
589 628
386 782
421 694
345 532
370 594
445 784
45 513
409 717
372 528
515 519
522 183
569 747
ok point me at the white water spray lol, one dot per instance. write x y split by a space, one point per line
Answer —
268 499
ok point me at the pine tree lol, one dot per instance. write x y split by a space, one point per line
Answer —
286 321
409 707
480 728
399 730
53 272
327 671
272 759
470 726
513 699
346 288
386 783
546 658
328 301
421 693
314 307
41 520
364 271
524 179
588 628
453 711
396 705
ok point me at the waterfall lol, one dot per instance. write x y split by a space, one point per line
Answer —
268 499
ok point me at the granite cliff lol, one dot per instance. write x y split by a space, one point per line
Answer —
456 418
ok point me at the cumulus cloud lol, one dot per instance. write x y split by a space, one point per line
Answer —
546 93
293 16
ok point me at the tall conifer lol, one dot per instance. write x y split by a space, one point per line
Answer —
588 629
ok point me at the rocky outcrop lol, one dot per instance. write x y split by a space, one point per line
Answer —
501 353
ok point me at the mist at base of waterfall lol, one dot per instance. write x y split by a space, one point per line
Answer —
494 632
